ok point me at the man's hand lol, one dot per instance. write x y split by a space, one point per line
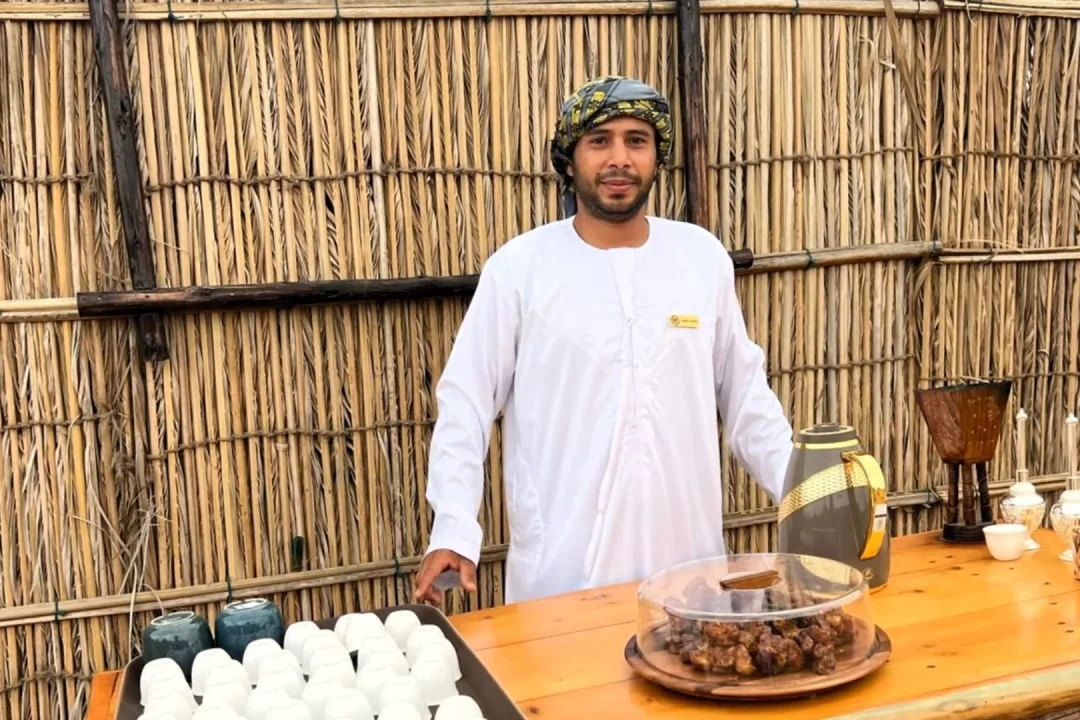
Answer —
434 564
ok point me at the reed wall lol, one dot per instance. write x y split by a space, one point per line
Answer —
284 452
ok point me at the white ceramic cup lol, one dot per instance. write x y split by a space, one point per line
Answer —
296 634
168 703
229 689
459 707
1005 541
203 667
293 710
435 679
368 620
404 689
341 625
348 703
280 661
374 645
158 714
256 652
392 658
401 711
233 670
400 624
262 700
317 692
372 681
162 670
443 649
287 679
216 710
324 639
362 632
329 660
420 637
170 692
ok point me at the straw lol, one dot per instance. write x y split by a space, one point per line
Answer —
395 140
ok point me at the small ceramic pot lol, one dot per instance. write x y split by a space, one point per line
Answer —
179 636
243 622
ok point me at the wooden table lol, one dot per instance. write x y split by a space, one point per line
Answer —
972 638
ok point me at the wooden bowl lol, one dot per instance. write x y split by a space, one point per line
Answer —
676 676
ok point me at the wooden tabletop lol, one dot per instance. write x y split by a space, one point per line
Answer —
972 637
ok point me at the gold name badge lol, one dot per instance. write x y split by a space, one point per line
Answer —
684 321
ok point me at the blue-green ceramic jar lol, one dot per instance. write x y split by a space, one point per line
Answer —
244 621
177 635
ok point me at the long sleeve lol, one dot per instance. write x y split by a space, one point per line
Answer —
470 394
757 431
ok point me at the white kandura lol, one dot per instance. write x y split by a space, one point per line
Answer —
609 367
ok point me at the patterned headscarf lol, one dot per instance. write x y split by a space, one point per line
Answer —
603 99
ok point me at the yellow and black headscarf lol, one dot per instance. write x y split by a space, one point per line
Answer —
603 99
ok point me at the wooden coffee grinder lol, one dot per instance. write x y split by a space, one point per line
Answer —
965 423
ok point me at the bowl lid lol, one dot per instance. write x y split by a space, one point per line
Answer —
250 604
174 618
1022 489
759 587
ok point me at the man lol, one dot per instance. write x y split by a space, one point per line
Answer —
609 341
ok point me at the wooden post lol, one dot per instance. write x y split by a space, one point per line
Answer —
986 511
692 106
967 479
953 509
108 52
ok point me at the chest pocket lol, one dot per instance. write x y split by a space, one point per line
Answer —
684 329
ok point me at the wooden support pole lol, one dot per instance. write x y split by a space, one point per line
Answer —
967 480
692 106
313 10
112 69
227 298
953 510
285 295
986 511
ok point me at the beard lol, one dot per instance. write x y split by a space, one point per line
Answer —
614 210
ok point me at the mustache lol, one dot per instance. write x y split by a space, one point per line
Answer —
619 174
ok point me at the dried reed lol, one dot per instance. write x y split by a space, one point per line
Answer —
282 442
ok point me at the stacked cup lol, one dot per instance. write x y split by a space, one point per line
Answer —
164 691
404 670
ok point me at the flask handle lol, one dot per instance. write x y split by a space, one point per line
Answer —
879 500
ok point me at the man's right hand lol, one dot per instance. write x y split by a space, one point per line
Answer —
434 564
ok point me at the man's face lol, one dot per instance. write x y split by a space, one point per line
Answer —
614 168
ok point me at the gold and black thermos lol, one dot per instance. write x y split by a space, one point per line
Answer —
835 502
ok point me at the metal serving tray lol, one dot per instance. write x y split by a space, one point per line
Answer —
476 681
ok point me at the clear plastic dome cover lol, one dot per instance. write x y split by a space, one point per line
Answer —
748 617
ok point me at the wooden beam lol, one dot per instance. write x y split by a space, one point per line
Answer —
112 70
126 303
271 295
311 10
284 295
830 257
692 105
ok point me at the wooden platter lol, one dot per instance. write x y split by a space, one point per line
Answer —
680 678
